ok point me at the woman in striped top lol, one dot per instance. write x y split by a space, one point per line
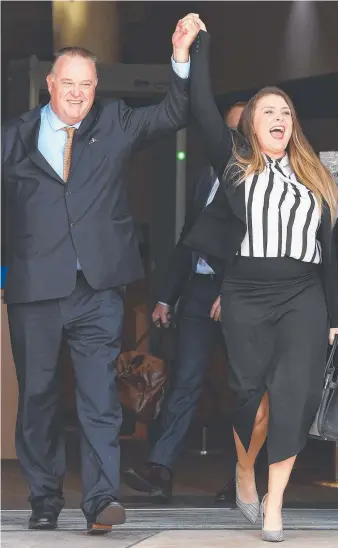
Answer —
282 215
270 225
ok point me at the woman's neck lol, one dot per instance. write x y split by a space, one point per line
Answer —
274 155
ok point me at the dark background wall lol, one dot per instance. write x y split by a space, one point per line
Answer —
253 42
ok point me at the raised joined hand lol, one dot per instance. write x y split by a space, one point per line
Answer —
185 33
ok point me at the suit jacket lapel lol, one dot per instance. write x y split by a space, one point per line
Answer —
205 185
81 138
29 133
235 196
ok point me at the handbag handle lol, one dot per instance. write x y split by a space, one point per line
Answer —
330 366
142 338
147 333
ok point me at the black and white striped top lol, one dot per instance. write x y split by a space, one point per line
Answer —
282 215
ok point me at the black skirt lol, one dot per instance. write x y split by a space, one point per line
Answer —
275 325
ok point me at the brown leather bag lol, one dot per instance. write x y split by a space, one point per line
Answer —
140 381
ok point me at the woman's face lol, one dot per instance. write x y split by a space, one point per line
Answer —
272 123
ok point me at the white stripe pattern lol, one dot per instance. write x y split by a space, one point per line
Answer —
283 215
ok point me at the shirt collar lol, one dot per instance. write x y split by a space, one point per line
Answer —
282 162
55 123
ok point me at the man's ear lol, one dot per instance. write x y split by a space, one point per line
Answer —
49 81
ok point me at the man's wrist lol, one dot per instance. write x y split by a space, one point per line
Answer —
181 55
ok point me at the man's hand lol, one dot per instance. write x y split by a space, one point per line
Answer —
184 35
215 312
161 315
333 332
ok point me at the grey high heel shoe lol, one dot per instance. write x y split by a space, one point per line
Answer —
270 536
251 510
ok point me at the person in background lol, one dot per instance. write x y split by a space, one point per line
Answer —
71 250
233 114
271 225
190 280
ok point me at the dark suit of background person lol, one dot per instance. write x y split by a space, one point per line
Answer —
191 281
71 247
196 335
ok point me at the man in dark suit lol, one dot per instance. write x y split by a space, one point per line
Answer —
192 281
71 250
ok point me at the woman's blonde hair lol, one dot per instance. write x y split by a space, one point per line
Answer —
304 162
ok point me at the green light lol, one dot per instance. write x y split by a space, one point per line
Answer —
180 155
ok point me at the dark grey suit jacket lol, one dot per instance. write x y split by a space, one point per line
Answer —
50 224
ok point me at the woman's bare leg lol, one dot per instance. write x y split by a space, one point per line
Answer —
279 475
246 460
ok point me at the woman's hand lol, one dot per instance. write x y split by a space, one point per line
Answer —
202 25
333 332
195 18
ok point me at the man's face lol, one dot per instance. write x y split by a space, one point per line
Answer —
233 116
72 88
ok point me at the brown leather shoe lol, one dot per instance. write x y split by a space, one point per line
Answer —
227 494
154 479
111 513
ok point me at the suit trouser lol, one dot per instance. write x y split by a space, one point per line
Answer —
91 322
197 333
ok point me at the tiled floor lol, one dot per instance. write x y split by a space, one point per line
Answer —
235 539
167 539
72 540
197 477
154 519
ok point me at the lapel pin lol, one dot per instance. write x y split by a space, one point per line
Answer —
93 140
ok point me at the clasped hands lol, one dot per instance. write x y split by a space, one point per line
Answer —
185 33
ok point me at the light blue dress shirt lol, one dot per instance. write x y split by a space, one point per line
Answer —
52 139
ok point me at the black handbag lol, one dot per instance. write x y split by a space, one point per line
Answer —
325 425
